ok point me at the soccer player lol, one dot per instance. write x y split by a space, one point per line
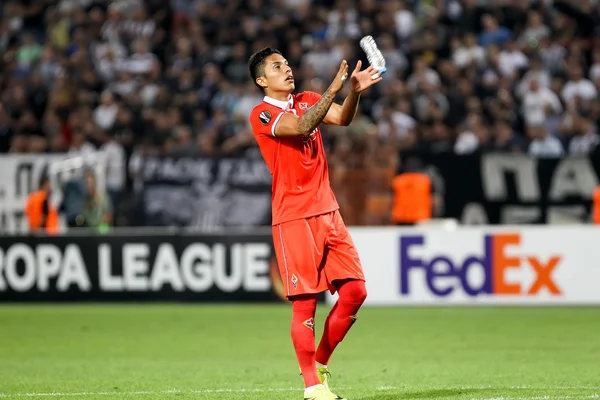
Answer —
314 249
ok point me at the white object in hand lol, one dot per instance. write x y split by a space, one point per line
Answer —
367 43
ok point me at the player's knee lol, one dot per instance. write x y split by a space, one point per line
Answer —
304 303
360 292
354 292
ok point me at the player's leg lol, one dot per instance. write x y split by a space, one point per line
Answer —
344 271
299 249
303 336
352 294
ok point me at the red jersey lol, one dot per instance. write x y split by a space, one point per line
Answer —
298 164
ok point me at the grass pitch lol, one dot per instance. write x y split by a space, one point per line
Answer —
244 352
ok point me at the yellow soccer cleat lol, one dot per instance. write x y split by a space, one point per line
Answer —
320 392
324 376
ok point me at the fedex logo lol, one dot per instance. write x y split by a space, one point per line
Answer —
495 264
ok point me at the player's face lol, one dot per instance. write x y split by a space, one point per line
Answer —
278 74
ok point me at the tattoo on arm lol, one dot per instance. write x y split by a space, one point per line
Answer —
313 117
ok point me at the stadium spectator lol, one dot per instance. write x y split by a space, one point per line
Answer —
596 206
41 215
98 210
585 138
493 34
543 144
85 205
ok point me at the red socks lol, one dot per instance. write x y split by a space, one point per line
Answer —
303 336
352 295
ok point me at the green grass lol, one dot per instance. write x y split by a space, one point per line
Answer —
184 351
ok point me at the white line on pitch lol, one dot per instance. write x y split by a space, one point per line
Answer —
593 396
271 390
155 392
524 388
144 392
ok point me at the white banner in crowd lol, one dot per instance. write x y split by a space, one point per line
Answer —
20 175
525 265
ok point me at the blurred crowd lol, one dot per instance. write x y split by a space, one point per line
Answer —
136 77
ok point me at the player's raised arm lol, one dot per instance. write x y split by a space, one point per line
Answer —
290 124
359 82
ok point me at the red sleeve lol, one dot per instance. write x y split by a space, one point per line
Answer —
263 120
311 98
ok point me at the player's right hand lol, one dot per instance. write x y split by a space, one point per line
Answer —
340 78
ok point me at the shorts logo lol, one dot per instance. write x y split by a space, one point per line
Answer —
265 117
303 106
294 281
310 324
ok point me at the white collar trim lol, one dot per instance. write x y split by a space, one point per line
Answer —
284 105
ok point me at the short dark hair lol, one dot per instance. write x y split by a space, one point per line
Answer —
256 63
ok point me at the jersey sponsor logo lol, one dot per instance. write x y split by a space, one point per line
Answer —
265 117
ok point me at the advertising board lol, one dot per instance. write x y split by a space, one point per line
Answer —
525 265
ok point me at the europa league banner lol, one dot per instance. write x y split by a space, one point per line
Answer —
194 268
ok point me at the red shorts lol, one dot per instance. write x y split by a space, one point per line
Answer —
314 252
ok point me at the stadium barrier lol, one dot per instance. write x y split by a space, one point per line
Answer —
485 265
142 266
422 265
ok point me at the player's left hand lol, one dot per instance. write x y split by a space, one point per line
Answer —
362 80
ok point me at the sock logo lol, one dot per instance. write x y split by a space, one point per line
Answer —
294 280
310 324
353 319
